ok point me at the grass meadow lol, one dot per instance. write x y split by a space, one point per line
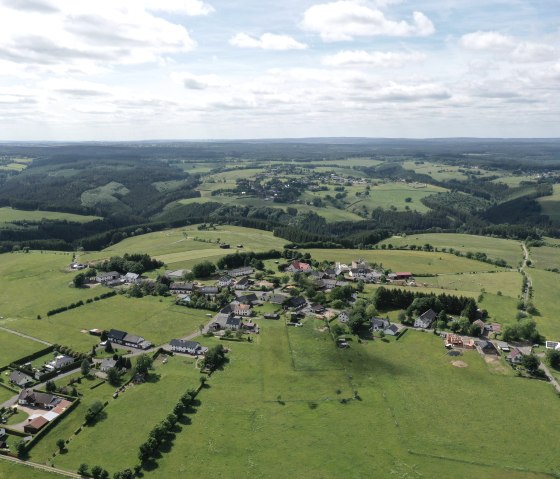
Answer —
13 347
551 204
8 215
495 248
545 257
545 297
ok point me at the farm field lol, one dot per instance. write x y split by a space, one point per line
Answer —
8 215
10 470
272 406
506 282
417 262
495 248
36 282
551 204
122 423
545 297
13 347
545 257
156 321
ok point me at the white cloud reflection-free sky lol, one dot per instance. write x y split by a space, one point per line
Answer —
194 69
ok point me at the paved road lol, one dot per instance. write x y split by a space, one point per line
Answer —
25 336
41 467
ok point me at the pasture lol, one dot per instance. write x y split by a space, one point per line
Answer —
545 257
9 215
418 262
506 282
545 297
495 248
13 347
551 204
412 404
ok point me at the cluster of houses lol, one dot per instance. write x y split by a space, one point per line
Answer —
123 338
114 278
22 379
50 407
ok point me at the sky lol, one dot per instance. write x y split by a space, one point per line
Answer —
116 70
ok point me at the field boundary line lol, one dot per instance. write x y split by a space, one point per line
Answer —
41 467
17 333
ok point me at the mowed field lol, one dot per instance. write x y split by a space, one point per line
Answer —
507 282
36 282
156 319
545 297
184 247
551 204
495 248
417 262
13 347
545 257
270 404
7 215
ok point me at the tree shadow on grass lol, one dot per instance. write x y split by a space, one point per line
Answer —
150 465
153 378
185 420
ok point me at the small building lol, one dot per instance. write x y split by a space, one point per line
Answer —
243 283
241 309
379 324
187 347
453 341
317 308
20 379
174 275
278 299
425 320
487 347
131 278
503 346
107 277
248 298
271 316
515 357
35 425
224 245
2 433
244 271
181 288
107 364
391 330
403 275
225 281
233 324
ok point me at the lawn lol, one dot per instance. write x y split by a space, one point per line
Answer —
8 215
551 204
36 282
545 297
495 248
418 262
410 421
113 442
10 470
545 257
13 347
155 320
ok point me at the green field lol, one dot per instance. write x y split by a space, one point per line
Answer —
551 204
8 215
495 248
417 262
545 257
10 470
545 297
105 195
406 424
13 347
508 282
156 320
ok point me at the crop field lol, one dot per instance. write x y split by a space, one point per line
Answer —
495 248
113 442
147 317
545 257
551 204
275 411
13 347
8 215
417 262
35 282
545 297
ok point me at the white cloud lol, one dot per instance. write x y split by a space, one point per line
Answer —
528 52
345 19
487 41
197 82
267 41
186 7
378 59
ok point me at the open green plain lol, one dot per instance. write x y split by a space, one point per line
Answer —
506 282
495 248
545 257
545 297
13 347
8 215
551 204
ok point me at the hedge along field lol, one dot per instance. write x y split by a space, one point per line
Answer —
7 215
263 418
34 283
156 321
545 257
495 248
113 442
13 347
179 245
545 297
417 262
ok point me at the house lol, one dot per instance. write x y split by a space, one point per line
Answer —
209 290
29 397
2 433
107 364
59 362
107 277
241 309
130 278
425 320
480 324
487 347
379 324
298 267
242 283
20 379
130 340
278 298
249 298
296 303
515 357
343 316
181 288
233 323
403 275
391 330
244 271
317 308
35 425
188 347
271 316
503 346
225 281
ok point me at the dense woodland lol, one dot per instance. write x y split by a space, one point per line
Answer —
134 188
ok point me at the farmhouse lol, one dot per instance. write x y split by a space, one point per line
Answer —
225 282
425 320
59 362
233 323
36 425
20 379
126 339
107 277
379 324
241 309
31 398
298 267
107 364
188 347
515 357
296 303
131 278
244 271
181 288
242 283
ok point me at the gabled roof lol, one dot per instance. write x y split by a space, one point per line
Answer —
180 343
296 301
108 363
132 338
180 285
233 321
117 334
392 327
20 378
429 315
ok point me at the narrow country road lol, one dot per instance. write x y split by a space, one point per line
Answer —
550 377
2 328
524 269
41 467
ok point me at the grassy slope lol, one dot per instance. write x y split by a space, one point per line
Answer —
417 262
13 347
508 282
545 297
8 214
495 248
551 204
259 411
545 257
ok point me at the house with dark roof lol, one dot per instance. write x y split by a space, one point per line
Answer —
379 324
125 339
108 277
278 298
243 283
426 319
487 347
187 347
296 302
181 288
233 323
29 397
391 330
107 364
35 425
249 298
317 308
20 379
271 316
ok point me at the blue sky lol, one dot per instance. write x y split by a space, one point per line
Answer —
194 69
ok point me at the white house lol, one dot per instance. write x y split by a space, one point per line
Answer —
225 281
59 362
106 277
188 347
425 320
130 278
